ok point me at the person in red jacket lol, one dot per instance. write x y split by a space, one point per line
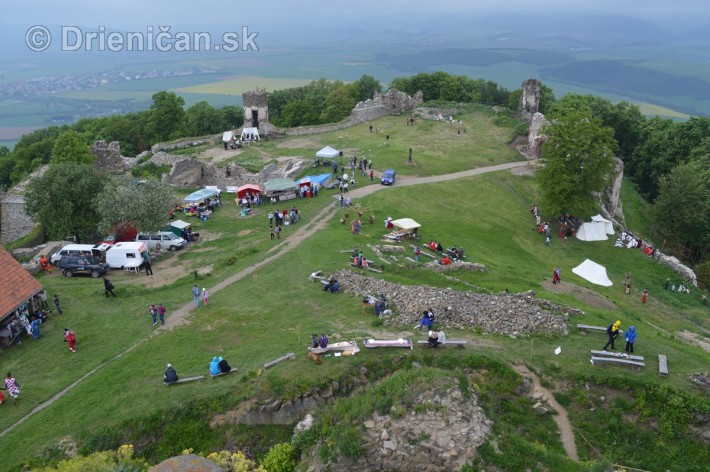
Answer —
70 337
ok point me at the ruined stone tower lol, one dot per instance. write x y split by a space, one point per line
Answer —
529 99
256 108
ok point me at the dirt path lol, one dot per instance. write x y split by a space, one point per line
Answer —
180 316
563 424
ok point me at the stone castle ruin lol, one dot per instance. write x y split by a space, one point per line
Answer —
529 99
528 111
256 108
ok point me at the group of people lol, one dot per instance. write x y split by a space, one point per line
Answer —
435 338
613 331
317 342
359 260
157 312
219 366
196 294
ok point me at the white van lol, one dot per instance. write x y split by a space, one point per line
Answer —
162 240
125 255
96 250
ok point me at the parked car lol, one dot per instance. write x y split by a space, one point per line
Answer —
71 265
161 240
95 250
388 177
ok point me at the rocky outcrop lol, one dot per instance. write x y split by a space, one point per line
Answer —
611 202
507 313
673 262
529 99
185 143
442 434
535 137
187 463
108 157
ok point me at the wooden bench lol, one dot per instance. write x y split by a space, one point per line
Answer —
449 342
185 380
290 355
620 355
583 328
616 360
231 371
662 365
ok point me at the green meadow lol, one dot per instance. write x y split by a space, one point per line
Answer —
272 310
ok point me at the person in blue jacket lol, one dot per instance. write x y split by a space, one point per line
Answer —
630 338
214 366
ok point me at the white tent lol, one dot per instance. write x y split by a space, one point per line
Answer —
593 272
227 136
406 224
328 152
608 226
254 132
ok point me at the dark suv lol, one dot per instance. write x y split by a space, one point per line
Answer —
71 265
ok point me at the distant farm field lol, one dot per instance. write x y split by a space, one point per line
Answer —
241 84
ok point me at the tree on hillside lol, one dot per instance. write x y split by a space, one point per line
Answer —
71 147
233 117
203 118
681 212
62 200
298 113
144 203
338 105
364 88
166 117
579 160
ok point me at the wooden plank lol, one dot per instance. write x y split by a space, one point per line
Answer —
614 360
289 356
372 343
231 371
583 327
662 365
185 380
448 342
621 355
384 260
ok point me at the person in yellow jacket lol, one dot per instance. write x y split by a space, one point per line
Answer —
613 331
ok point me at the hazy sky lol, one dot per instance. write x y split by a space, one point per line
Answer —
133 13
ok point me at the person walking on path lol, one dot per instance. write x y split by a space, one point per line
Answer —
108 287
417 252
613 331
630 337
196 295
271 230
556 276
205 295
547 240
154 314
12 386
146 263
644 296
57 303
161 313
70 337
278 232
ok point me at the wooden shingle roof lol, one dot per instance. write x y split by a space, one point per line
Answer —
16 284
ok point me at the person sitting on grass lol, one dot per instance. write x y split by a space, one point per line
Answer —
170 375
214 366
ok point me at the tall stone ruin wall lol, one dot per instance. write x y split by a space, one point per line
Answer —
14 220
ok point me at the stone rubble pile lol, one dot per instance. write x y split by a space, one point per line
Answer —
506 313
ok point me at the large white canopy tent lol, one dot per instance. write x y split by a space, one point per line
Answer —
593 272
406 224
328 152
595 230
253 132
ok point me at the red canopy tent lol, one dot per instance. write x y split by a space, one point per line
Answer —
244 189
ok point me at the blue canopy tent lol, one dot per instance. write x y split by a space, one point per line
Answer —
319 180
201 195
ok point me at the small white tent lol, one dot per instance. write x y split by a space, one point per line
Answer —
328 152
593 272
250 134
406 224
227 136
608 226
595 230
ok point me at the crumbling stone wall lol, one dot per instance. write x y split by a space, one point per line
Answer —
256 103
14 220
391 102
108 157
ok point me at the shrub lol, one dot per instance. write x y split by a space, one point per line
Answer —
280 458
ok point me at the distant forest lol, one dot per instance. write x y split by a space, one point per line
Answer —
650 148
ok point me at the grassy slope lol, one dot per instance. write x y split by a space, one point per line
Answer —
273 312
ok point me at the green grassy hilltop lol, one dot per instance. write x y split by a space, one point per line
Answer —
645 421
